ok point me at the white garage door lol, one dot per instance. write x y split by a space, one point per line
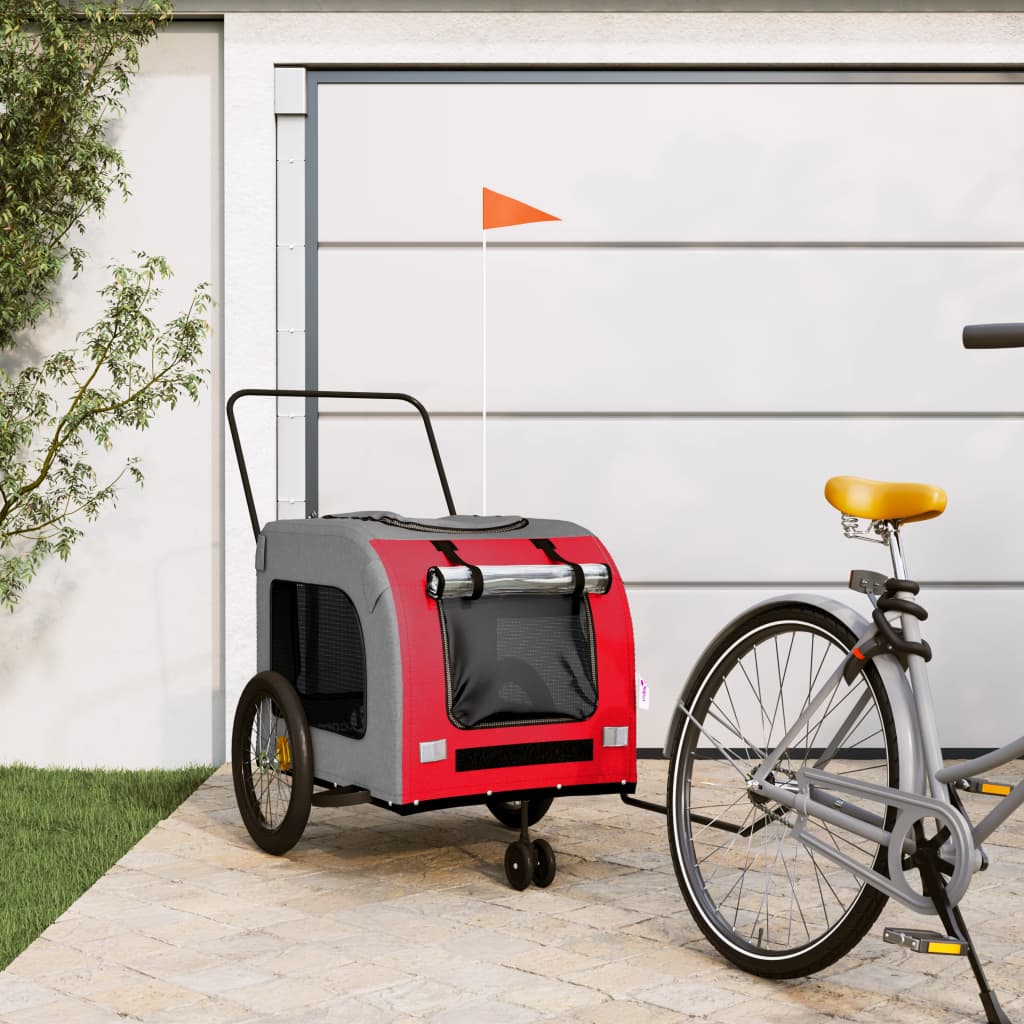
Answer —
757 281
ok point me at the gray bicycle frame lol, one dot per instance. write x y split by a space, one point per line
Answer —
924 780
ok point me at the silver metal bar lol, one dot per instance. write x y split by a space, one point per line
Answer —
899 562
985 763
808 807
860 870
445 581
959 849
823 797
826 798
841 733
927 727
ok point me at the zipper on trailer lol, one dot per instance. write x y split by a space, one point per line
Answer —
588 623
593 642
447 664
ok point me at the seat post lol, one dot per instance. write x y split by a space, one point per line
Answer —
899 564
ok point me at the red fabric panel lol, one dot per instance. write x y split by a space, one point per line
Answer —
424 708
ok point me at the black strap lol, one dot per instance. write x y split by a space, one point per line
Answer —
578 575
448 549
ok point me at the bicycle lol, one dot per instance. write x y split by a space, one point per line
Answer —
806 784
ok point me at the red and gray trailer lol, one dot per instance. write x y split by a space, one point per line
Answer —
427 663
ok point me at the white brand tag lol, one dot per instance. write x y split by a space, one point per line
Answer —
643 693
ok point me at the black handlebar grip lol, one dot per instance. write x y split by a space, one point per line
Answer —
994 336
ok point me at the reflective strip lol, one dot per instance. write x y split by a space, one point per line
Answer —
949 948
616 736
435 750
995 789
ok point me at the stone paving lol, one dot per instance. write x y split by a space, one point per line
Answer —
375 918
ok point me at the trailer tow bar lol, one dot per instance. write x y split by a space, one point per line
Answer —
644 805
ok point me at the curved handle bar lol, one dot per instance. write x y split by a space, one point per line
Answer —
994 336
393 396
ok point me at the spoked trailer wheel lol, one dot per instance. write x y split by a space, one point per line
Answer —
767 902
272 762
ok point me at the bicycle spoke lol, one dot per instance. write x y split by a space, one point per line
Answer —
780 704
739 735
738 800
731 760
871 767
831 888
733 726
836 839
819 877
756 691
794 903
828 711
270 783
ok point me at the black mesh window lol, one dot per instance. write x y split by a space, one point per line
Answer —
316 642
518 660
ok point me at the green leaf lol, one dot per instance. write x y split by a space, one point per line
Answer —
63 79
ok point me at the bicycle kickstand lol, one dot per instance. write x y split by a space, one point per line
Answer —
953 921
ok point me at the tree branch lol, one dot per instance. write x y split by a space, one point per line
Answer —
67 513
57 441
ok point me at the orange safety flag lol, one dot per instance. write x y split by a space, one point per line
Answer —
504 211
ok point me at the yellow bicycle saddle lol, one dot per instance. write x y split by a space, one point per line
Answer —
874 499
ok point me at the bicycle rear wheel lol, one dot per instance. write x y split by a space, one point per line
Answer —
766 901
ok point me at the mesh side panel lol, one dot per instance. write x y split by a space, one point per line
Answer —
316 641
518 659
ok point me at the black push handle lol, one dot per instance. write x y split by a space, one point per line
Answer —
994 336
390 396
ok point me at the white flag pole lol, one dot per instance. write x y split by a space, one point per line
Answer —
499 211
483 508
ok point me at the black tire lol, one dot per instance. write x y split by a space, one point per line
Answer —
519 864
509 812
544 865
272 762
766 901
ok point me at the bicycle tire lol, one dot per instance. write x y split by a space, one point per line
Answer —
759 895
272 762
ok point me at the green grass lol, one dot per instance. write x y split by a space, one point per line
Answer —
61 829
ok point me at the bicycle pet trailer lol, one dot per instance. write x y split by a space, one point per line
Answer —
428 663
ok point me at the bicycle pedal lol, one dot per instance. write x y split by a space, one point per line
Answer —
921 941
985 787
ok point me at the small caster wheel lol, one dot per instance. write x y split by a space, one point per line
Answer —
519 864
543 863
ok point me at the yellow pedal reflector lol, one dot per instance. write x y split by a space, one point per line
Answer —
284 754
995 789
946 948
921 941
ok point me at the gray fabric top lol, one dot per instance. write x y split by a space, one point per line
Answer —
380 525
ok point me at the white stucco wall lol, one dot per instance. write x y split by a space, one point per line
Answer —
255 43
114 658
